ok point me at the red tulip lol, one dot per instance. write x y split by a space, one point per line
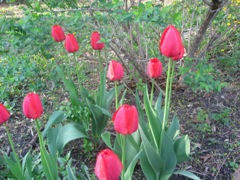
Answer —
180 56
108 165
4 114
154 68
71 43
57 33
32 106
171 43
115 71
125 119
95 38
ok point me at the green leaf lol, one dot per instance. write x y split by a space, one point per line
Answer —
169 157
153 119
104 111
153 157
55 118
52 136
146 166
131 166
27 165
71 175
15 169
187 174
174 128
182 148
106 137
49 164
69 132
158 106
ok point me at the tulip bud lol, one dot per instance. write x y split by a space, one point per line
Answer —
108 166
57 33
154 68
4 114
125 119
95 38
71 44
115 71
32 106
171 43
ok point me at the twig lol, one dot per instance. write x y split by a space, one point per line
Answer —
222 164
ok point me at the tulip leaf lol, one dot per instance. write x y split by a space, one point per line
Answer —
158 106
15 169
104 111
106 137
187 174
182 148
69 132
141 116
154 125
153 157
169 157
52 139
110 95
174 128
131 166
146 167
49 164
122 98
27 165
69 84
56 118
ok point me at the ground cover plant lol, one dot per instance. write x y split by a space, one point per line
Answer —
71 81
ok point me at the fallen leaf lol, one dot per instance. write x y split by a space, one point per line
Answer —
206 157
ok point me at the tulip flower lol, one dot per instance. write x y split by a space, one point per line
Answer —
71 44
108 166
95 38
32 106
4 114
57 33
171 43
115 71
154 68
125 119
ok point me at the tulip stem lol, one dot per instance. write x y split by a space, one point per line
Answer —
165 117
43 151
170 87
116 94
151 98
123 155
165 120
12 146
100 61
77 68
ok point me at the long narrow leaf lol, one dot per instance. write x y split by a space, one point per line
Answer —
187 174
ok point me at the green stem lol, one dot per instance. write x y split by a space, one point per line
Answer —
165 120
151 98
12 146
77 68
170 87
123 155
100 61
116 94
43 150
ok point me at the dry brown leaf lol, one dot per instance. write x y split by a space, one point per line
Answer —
207 157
